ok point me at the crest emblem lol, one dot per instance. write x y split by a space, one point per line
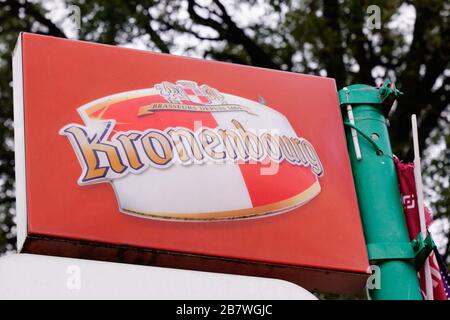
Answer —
188 92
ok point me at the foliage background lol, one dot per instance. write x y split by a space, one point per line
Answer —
328 38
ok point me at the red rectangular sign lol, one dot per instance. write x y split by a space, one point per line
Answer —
139 157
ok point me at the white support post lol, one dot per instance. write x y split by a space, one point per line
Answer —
420 203
351 119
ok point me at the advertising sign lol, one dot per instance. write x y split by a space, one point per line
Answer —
131 156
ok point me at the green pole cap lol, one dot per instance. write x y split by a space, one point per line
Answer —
382 96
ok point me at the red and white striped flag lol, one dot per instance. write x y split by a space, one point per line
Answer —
439 272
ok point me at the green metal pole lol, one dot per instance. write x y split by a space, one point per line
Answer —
377 190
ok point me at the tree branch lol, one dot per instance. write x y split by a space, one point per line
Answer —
144 21
32 11
417 98
335 67
178 27
228 30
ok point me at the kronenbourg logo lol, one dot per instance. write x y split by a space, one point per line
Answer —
185 151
